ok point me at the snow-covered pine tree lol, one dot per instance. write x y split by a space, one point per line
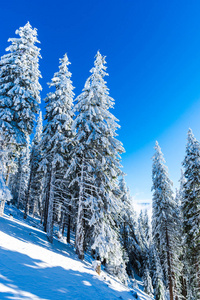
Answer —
18 181
19 89
180 191
23 173
128 230
35 178
158 278
65 206
191 215
148 268
9 157
144 232
85 198
58 134
164 224
148 288
5 194
180 231
145 242
96 144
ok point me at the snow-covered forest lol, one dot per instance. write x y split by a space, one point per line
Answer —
65 169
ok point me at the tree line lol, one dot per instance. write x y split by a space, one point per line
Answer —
70 176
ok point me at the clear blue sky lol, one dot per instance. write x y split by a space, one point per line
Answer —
153 58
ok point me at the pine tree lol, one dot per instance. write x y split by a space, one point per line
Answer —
144 232
158 278
148 265
23 173
191 215
9 156
19 91
58 134
99 151
164 224
35 178
148 288
18 181
128 231
180 231
5 194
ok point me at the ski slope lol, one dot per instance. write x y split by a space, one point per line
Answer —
33 269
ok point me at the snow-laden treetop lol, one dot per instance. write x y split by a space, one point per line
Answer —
19 85
27 57
160 172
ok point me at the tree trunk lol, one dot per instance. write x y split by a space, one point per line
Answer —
63 227
50 209
69 226
35 207
19 192
198 277
8 176
46 206
183 287
80 226
26 212
169 268
61 223
41 216
42 202
2 205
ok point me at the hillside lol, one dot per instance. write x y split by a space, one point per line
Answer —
32 268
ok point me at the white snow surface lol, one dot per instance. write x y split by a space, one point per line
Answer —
33 269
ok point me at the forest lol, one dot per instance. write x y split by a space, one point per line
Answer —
65 169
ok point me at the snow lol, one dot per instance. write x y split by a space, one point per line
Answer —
4 191
33 269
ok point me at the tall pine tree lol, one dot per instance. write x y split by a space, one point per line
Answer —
128 231
97 155
19 91
58 134
164 224
35 178
191 215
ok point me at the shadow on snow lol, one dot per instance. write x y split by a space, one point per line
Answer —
22 277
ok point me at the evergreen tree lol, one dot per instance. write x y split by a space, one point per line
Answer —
19 90
180 231
5 194
19 180
148 288
97 151
164 224
191 215
35 178
58 134
148 268
128 231
144 232
158 278
9 157
23 173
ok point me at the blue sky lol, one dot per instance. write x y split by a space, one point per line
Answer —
153 59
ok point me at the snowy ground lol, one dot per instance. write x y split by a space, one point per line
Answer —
32 268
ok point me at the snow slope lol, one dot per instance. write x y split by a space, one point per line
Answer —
32 268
